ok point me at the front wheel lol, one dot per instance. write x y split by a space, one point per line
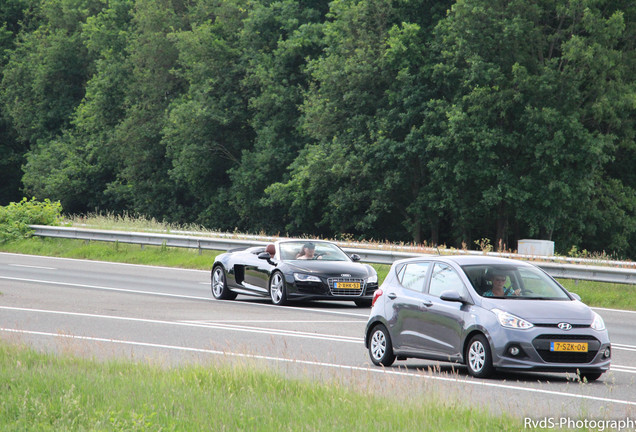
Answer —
220 291
590 376
478 357
277 290
380 347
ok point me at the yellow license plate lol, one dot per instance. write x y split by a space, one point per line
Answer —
348 285
568 346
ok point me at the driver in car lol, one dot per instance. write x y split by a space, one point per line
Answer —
307 252
498 289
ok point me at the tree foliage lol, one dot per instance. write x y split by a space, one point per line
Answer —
408 120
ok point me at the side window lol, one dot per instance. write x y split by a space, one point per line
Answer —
413 276
444 278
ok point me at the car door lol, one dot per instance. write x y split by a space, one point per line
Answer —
406 300
257 272
443 321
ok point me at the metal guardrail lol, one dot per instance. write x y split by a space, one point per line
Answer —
624 273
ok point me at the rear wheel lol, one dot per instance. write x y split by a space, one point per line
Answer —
220 291
277 290
380 346
478 357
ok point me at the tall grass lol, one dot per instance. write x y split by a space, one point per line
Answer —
44 392
128 222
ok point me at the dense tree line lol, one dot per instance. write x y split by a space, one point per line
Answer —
410 120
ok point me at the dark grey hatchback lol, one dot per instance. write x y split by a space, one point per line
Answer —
487 313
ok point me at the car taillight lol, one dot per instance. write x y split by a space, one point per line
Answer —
376 296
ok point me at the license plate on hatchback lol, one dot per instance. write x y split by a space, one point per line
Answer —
347 285
568 346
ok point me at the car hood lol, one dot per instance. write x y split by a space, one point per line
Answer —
544 311
332 268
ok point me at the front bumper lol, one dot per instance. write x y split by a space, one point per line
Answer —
533 350
326 291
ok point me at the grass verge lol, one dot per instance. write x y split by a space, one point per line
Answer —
51 393
114 252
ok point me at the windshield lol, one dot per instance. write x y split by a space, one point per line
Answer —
311 250
513 282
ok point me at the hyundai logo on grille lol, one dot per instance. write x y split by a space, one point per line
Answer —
345 275
565 326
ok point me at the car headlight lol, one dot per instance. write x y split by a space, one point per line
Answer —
373 279
598 323
511 321
301 277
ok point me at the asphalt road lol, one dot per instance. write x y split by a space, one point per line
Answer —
168 316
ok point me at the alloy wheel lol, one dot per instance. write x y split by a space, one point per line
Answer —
276 288
218 282
477 356
378 345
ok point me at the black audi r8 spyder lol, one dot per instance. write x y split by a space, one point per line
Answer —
294 270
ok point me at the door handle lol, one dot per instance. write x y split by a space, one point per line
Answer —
392 296
427 303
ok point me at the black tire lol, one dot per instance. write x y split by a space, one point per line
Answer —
380 347
590 376
478 357
218 285
277 289
363 303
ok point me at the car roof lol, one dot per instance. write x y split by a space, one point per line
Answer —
463 260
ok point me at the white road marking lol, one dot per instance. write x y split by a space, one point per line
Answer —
620 368
613 310
281 332
32 266
218 325
103 288
304 309
245 329
103 262
384 371
624 347
206 322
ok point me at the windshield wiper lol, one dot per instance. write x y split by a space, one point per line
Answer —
540 298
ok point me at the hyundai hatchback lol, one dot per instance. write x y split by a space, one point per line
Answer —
487 313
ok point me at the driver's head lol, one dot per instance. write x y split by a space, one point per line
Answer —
498 277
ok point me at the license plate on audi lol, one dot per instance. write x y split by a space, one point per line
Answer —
568 346
347 285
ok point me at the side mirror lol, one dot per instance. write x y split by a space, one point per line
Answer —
576 296
355 257
452 296
264 255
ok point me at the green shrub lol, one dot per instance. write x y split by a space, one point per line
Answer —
15 218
